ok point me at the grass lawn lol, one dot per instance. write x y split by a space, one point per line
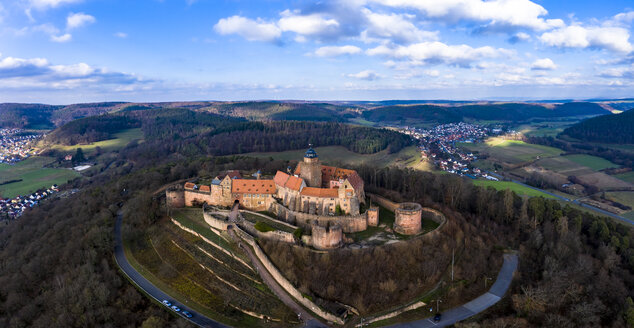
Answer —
512 151
272 223
593 162
623 197
34 176
407 157
519 189
120 140
627 177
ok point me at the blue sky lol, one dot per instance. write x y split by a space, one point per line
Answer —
67 51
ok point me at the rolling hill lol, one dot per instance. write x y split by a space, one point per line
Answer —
611 128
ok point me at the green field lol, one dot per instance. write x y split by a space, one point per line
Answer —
511 151
627 177
120 140
518 189
34 176
407 157
593 162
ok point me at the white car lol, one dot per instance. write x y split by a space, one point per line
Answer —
176 308
167 303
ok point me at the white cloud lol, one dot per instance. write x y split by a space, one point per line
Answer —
620 72
544 64
61 38
576 36
395 27
43 4
76 70
75 20
438 52
331 51
520 37
15 63
248 28
367 75
121 35
18 73
313 24
514 13
623 18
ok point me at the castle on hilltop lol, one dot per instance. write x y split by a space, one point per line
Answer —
312 188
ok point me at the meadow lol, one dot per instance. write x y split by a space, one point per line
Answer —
511 151
120 140
593 162
517 188
34 176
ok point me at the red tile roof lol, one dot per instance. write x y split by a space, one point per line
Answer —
241 186
205 188
280 178
294 183
189 185
320 192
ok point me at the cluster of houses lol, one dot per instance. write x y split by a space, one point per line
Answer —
15 146
438 144
14 207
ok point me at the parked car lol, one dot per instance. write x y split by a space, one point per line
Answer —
187 314
437 317
167 303
176 308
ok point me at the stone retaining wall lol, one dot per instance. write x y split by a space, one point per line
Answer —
282 281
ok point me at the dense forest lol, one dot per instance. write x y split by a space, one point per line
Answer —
617 129
197 133
575 269
512 112
91 129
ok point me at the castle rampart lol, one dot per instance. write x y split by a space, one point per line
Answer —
175 197
348 223
408 218
328 237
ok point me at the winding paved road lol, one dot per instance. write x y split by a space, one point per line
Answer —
449 317
148 287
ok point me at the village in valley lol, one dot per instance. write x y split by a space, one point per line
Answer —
16 145
438 145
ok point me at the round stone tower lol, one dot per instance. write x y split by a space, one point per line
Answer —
408 218
329 237
310 169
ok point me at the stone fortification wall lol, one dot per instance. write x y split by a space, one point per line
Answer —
282 281
329 237
348 223
193 196
390 205
175 197
408 218
216 220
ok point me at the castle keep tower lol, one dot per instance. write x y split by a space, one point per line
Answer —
310 169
